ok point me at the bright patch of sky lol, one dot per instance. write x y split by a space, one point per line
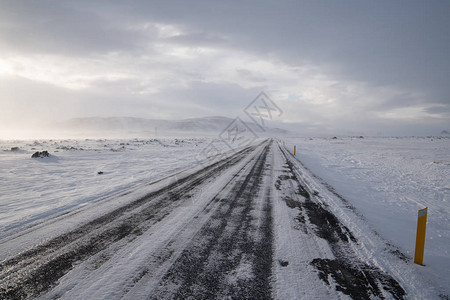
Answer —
366 67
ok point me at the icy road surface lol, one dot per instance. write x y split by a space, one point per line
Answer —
256 224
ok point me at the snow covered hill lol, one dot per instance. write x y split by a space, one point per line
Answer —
215 124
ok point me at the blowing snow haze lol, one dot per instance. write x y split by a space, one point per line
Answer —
367 67
126 127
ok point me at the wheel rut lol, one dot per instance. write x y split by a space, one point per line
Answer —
222 248
346 271
38 269
231 256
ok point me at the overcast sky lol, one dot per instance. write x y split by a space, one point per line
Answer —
336 66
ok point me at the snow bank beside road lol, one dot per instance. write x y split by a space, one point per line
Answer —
388 180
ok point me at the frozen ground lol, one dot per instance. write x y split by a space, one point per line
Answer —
253 222
387 180
32 189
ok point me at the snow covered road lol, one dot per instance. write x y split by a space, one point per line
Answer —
256 224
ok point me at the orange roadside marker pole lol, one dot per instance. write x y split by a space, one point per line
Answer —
295 148
420 235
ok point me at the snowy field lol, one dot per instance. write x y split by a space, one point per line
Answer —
35 188
387 180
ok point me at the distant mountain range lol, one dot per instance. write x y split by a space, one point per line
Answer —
141 125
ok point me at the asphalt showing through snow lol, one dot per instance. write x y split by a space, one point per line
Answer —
220 246
233 239
351 276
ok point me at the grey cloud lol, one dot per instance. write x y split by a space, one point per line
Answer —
396 101
198 39
55 28
247 74
441 110
384 43
210 98
399 44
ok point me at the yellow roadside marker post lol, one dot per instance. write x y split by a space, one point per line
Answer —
295 148
283 143
420 236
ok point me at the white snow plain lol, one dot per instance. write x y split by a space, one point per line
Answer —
387 180
32 189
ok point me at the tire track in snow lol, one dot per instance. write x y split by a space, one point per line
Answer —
135 270
38 269
225 249
231 256
345 271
